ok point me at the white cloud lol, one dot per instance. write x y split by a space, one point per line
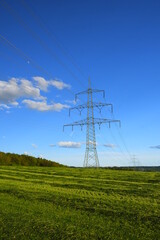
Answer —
43 106
27 89
59 84
19 89
14 103
34 145
109 145
7 107
28 154
16 88
90 142
43 84
71 101
69 144
25 153
4 106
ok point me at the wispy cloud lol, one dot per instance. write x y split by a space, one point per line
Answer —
71 102
52 145
44 106
59 84
4 106
26 153
157 146
69 144
109 145
43 84
34 145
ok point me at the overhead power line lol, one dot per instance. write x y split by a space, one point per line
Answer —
52 36
124 154
28 59
42 43
122 139
24 56
38 39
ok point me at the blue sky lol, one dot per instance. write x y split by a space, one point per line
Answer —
48 49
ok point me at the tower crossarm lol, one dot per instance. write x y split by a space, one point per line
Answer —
98 105
98 121
77 123
89 91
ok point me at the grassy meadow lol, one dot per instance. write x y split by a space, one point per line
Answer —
74 203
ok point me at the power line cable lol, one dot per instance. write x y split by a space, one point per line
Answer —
37 38
24 56
121 137
123 141
28 59
52 36
46 47
114 140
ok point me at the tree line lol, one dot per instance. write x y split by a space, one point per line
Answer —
11 159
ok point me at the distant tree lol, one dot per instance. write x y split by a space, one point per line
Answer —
10 159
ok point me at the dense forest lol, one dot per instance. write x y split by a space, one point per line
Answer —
11 159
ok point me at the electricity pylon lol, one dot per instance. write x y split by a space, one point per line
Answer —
135 161
91 156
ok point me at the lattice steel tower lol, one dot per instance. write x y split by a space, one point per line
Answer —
91 156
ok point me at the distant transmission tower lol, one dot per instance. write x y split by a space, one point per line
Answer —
135 161
91 156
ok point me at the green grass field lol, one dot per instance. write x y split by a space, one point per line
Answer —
73 203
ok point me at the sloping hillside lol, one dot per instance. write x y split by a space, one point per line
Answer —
10 159
78 204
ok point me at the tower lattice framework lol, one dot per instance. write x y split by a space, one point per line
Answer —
91 156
